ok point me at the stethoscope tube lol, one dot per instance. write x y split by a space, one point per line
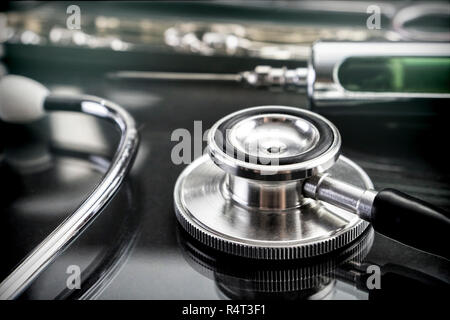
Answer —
391 212
52 246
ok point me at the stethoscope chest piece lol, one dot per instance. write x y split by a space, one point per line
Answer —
244 197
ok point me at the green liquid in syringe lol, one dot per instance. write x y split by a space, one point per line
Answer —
396 74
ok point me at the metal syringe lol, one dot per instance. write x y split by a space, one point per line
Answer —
347 73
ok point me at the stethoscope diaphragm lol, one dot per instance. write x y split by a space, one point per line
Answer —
274 143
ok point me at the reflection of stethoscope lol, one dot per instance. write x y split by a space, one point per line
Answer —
316 278
273 186
238 278
24 100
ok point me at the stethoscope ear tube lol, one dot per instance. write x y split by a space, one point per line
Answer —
411 221
59 240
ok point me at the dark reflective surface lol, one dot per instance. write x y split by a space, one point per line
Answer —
131 251
333 276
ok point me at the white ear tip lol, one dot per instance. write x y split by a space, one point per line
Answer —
21 99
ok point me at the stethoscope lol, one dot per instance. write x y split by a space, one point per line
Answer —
274 186
24 100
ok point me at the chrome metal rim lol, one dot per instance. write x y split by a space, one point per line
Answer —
307 143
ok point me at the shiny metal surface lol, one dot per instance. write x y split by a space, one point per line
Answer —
325 89
341 194
320 80
28 270
418 11
290 136
183 76
273 135
265 195
243 279
283 78
214 34
205 208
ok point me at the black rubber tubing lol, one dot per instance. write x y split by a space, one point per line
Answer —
411 221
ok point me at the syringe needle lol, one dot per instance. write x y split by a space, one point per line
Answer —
176 76
261 76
